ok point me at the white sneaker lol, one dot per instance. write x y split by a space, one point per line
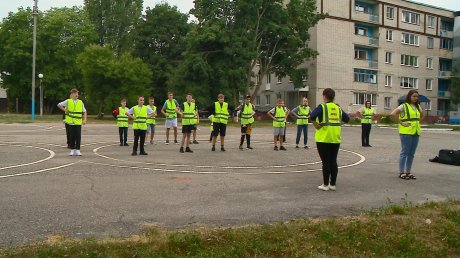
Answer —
72 153
323 187
77 153
332 187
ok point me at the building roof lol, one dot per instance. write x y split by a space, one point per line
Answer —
428 5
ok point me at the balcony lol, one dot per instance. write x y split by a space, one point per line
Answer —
444 94
367 17
445 53
447 34
366 63
366 40
446 74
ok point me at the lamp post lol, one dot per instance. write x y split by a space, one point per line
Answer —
34 52
40 76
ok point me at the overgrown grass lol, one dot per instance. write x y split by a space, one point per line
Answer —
429 230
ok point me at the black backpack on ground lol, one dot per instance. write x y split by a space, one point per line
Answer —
451 157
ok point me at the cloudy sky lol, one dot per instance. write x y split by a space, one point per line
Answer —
183 5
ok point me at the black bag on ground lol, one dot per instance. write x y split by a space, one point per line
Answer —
451 157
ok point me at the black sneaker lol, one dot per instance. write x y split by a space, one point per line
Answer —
188 150
134 154
176 142
121 144
125 144
249 148
222 149
297 146
181 150
306 147
195 142
143 153
282 148
213 148
241 147
276 148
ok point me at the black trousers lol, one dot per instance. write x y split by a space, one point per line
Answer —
328 153
365 132
139 135
75 136
67 132
123 132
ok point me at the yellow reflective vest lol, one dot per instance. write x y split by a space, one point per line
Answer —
140 118
368 113
221 113
189 114
122 118
304 114
74 114
151 119
331 124
280 116
247 116
171 108
413 117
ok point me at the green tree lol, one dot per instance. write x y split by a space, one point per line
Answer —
107 78
160 43
114 22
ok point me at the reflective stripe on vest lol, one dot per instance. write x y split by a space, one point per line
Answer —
74 112
331 124
140 118
151 119
367 116
280 116
171 108
247 116
303 114
188 114
122 118
221 113
413 117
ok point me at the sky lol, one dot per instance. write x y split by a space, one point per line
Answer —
183 5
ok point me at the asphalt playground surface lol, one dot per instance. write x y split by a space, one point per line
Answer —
109 193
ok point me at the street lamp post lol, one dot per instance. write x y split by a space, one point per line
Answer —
34 52
40 76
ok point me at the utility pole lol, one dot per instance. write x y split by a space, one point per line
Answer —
34 53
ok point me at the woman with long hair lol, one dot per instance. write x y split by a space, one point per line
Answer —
408 115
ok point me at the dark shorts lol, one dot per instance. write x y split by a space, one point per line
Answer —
246 129
219 128
194 127
187 128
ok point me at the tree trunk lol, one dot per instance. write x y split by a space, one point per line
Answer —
100 114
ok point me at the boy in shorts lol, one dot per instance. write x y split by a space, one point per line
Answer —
170 110
279 115
220 120
151 122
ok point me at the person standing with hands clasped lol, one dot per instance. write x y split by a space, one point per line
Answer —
219 121
409 115
170 110
302 112
247 119
75 117
327 119
188 116
139 114
279 115
122 123
367 113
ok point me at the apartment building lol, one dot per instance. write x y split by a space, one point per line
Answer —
376 50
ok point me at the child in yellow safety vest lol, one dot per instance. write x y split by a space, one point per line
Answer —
279 115
122 123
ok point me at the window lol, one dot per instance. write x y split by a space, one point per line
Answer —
447 26
387 104
430 43
429 63
410 17
428 105
360 54
361 98
410 39
359 8
367 76
429 84
390 12
431 21
388 57
409 60
267 99
389 36
279 80
388 80
304 78
360 31
409 83
257 100
269 78
446 43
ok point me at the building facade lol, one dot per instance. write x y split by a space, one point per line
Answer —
376 50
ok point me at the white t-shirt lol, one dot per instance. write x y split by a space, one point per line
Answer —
64 104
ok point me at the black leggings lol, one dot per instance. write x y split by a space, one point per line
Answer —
328 153
139 135
365 132
123 132
75 136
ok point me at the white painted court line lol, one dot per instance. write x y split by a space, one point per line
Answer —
38 171
52 154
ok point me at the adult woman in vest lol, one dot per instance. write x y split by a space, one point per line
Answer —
366 114
409 115
327 119
302 112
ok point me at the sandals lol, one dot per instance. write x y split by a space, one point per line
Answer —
407 176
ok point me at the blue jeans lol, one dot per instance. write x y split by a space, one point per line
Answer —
301 128
408 146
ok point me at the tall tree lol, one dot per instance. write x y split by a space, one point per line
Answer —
115 21
108 78
160 43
